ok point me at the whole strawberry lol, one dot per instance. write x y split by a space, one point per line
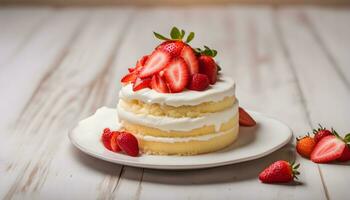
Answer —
305 146
199 82
279 172
320 133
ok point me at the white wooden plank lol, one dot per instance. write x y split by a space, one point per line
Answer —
331 27
248 51
326 95
17 25
57 170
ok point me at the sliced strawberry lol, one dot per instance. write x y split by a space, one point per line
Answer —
245 119
106 138
114 145
199 82
190 58
345 156
129 78
131 69
177 75
172 47
330 148
208 67
142 61
128 143
141 84
157 61
158 84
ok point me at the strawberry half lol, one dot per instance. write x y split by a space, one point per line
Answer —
114 145
330 148
172 47
128 143
129 78
176 75
345 156
159 85
208 67
279 172
141 84
157 61
190 58
245 119
106 138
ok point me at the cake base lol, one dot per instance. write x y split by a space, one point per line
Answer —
191 147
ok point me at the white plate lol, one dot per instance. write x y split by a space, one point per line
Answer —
261 140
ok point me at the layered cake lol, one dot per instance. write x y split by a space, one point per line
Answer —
176 102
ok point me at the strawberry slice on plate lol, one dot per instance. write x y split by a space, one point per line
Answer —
330 148
159 85
128 143
177 75
245 119
157 61
191 60
141 84
114 145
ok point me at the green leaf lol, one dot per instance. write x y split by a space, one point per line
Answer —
175 33
190 37
159 36
214 53
347 138
182 34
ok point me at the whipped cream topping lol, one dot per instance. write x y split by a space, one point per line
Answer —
166 123
184 139
224 87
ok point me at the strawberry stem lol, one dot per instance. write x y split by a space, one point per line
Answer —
175 34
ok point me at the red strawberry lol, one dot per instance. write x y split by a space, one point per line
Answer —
106 138
139 64
158 84
199 82
245 119
177 75
208 67
279 172
172 47
320 133
305 146
129 78
328 149
157 61
128 143
141 83
113 142
345 156
191 60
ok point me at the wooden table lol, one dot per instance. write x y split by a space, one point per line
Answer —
58 66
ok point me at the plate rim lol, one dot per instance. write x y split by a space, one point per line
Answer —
184 167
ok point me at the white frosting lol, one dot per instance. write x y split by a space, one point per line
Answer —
178 124
184 139
224 87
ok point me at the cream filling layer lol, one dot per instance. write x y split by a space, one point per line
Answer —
178 124
184 139
224 87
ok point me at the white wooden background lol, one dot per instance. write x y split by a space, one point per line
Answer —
59 65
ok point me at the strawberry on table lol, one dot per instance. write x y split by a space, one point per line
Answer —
245 119
329 149
345 156
198 82
320 133
279 172
128 143
305 146
177 75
